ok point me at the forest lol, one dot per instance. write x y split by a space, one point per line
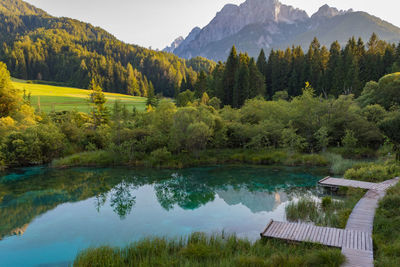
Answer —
331 72
37 46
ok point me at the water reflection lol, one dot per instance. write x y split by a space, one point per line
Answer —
27 195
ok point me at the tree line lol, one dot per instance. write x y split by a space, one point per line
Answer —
168 134
339 70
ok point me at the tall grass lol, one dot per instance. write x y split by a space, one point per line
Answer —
98 158
387 229
328 212
339 165
217 250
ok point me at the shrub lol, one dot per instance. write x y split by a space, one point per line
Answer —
373 172
160 156
326 202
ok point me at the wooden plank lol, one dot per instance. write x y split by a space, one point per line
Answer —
290 230
294 231
304 236
273 228
268 225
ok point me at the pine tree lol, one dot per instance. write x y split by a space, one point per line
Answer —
256 82
132 83
152 100
100 113
334 72
201 84
262 66
242 82
228 80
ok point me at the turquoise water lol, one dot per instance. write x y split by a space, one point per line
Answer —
48 215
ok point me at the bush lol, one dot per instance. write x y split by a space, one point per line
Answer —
373 172
160 156
326 202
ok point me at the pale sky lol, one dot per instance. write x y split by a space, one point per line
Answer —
156 23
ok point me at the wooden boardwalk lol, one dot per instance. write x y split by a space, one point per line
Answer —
332 237
355 240
337 182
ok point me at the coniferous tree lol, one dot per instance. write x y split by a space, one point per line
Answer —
132 83
262 66
334 73
100 113
242 82
152 100
228 80
201 84
256 81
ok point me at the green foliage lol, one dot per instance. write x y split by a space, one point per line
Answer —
39 47
349 141
326 202
373 172
36 145
97 100
218 250
385 93
339 165
160 156
185 98
280 95
386 229
390 127
96 158
9 99
329 212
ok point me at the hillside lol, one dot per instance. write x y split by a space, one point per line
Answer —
57 98
268 24
38 46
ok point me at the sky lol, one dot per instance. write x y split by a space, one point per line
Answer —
156 23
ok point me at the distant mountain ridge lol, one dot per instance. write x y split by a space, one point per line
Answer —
269 24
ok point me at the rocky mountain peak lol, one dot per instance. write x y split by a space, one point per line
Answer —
326 11
174 45
232 18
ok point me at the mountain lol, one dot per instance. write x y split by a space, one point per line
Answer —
177 42
38 46
268 24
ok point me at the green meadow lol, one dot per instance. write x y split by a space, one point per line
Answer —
59 98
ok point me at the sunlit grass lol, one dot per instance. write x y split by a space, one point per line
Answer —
57 98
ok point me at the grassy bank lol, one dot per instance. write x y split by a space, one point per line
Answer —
164 159
387 230
201 250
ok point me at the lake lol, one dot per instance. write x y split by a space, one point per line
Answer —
48 215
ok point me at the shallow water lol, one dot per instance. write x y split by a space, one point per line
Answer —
47 215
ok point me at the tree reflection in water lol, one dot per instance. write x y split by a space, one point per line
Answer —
25 196
122 200
185 192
